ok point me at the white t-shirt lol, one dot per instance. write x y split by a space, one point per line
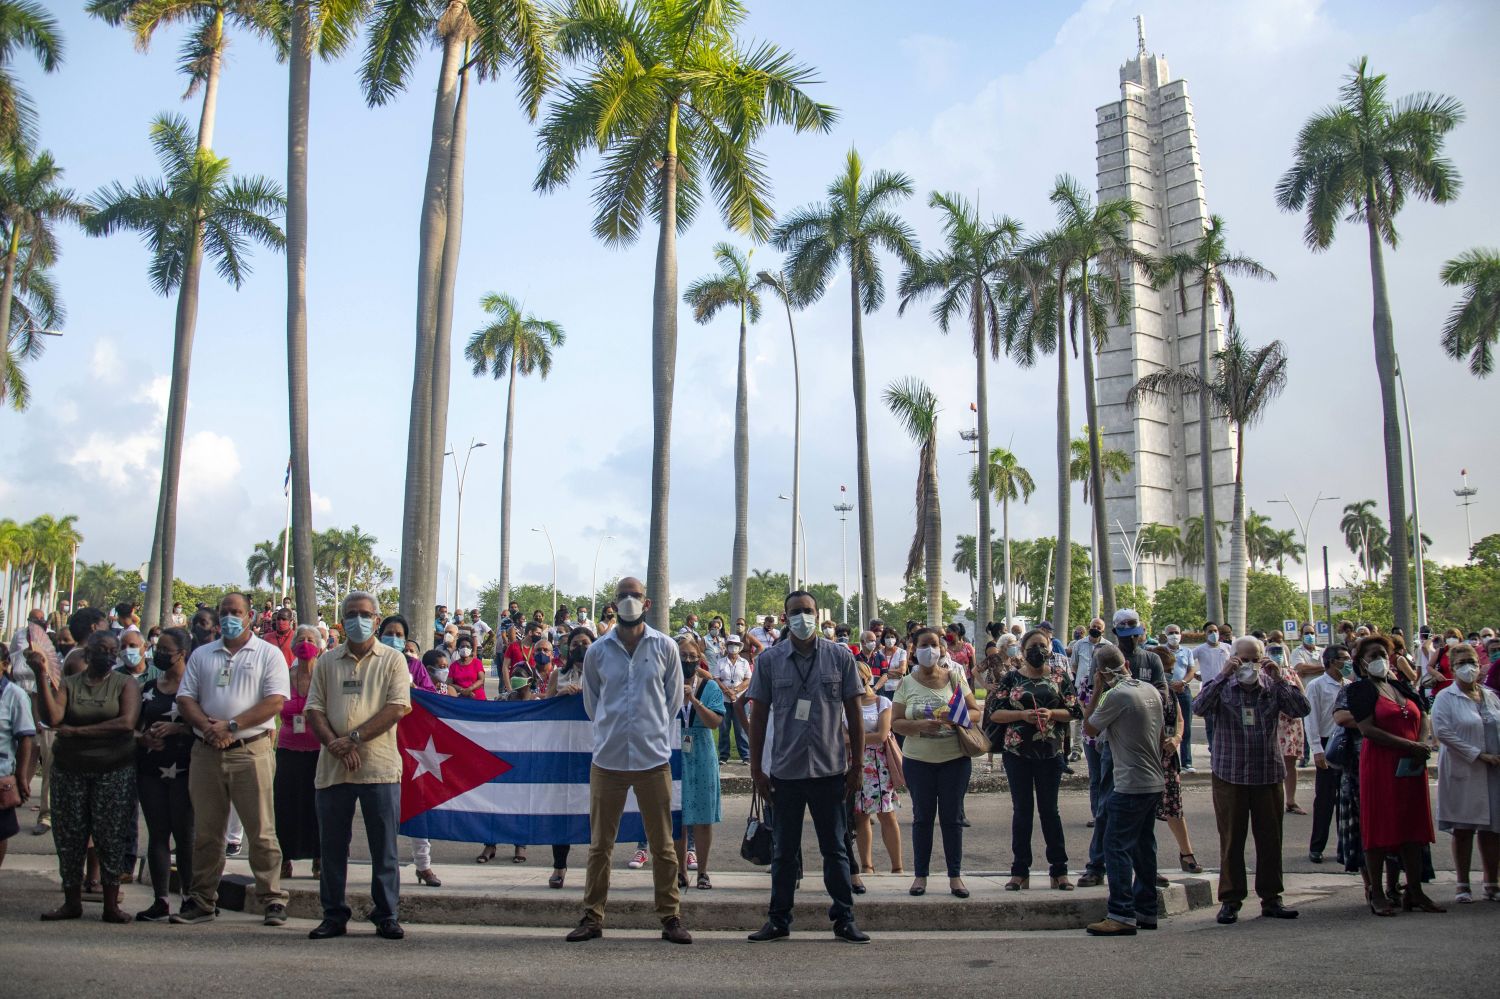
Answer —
1210 659
872 712
225 685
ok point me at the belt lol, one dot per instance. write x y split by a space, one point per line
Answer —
236 744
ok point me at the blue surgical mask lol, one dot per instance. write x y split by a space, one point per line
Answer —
231 627
543 658
394 641
133 656
1347 669
359 629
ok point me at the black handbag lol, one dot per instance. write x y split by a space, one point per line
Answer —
1342 750
756 847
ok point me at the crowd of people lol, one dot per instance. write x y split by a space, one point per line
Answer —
234 730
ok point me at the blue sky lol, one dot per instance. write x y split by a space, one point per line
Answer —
988 99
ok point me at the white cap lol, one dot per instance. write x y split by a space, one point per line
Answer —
1126 614
733 640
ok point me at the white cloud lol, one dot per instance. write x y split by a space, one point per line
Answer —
933 58
321 504
104 361
210 466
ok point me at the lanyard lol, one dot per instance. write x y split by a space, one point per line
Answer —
812 671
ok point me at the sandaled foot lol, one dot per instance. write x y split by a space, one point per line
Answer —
520 857
703 883
556 880
485 856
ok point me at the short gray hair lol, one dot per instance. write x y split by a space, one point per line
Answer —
1253 642
359 595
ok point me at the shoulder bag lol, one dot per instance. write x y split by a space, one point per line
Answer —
756 847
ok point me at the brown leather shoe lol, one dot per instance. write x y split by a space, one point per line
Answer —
673 931
587 929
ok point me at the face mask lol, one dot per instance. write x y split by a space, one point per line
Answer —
1308 640
463 651
867 646
583 615
890 642
630 609
689 668
1246 675
929 655
282 627
1347 669
827 632
803 625
399 644
1212 638
1376 667
1035 656
231 626
575 656
1173 639
306 651
1275 655
543 658
1450 641
359 629
1495 656
1468 672
715 628
440 675
1095 633
133 656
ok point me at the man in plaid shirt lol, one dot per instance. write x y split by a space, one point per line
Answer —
1244 704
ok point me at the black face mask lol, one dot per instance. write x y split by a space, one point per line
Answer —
575 656
1127 643
689 669
1095 632
1035 657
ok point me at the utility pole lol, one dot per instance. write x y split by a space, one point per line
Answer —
1302 526
1327 599
843 511
972 437
458 547
1466 499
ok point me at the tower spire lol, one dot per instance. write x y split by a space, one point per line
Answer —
1140 35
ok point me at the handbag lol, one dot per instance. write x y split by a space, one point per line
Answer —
972 742
10 793
894 762
1340 750
756 847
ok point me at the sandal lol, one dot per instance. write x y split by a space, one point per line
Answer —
1379 904
1295 809
520 857
1462 894
556 880
1189 862
704 884
1416 902
486 855
1017 883
429 878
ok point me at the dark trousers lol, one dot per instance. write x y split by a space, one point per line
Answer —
1091 756
1325 800
733 723
937 791
1033 791
1130 856
380 807
1258 807
1185 710
1106 772
825 799
168 810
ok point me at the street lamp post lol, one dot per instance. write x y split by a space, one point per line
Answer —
796 525
972 437
778 282
458 530
543 532
594 582
842 509
1131 544
1416 516
1302 525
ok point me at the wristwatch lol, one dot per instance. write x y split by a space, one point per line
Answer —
234 726
354 736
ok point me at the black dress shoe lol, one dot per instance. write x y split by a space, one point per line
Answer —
327 929
770 931
1229 912
1277 911
1316 858
858 889
389 929
1090 880
673 931
851 933
587 929
1142 924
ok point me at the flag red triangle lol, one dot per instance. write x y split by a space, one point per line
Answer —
437 763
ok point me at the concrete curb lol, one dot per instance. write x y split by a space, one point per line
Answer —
885 908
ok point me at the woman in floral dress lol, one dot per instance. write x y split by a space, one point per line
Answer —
878 796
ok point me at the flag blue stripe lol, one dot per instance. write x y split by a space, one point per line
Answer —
521 830
558 768
499 712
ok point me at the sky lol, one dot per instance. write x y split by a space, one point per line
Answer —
989 99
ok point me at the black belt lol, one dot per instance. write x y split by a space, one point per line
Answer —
236 744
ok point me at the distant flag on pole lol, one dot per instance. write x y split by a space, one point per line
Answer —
286 485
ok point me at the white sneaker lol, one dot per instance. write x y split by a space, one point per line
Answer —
1189 770
638 861
692 859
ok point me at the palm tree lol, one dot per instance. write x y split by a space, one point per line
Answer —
675 104
35 311
1112 462
1359 524
1162 541
1210 264
916 407
264 565
782 288
1008 480
853 225
1473 325
1283 545
969 273
487 36
1242 384
196 210
1258 531
1194 543
734 285
1359 160
1411 534
24 24
514 343
964 557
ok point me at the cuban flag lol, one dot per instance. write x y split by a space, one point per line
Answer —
958 709
506 772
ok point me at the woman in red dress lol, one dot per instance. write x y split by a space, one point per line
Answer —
1395 814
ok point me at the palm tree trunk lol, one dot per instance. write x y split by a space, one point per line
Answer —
1206 462
1238 574
1010 582
663 380
1395 484
982 557
740 557
510 443
1103 561
418 553
1064 547
8 283
869 603
933 541
298 112
211 87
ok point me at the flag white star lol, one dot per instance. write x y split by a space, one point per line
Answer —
174 714
429 760
169 773
149 695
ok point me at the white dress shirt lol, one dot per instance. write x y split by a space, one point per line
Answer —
1321 692
730 673
257 671
633 700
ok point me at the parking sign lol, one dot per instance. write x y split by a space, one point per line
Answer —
1322 629
1289 626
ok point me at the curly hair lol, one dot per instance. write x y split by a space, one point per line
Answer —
1366 646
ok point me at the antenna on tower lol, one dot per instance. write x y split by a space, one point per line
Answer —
1140 34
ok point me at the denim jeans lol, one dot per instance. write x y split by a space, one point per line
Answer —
741 738
380 805
825 799
1091 757
1106 772
1130 856
1033 791
1185 709
937 791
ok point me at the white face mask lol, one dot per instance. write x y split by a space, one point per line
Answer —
1173 639
890 643
1213 638
929 655
1246 674
1376 667
1450 641
802 625
630 609
1468 672
867 646
827 632
440 676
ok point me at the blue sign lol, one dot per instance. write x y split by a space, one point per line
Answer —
142 587
1322 629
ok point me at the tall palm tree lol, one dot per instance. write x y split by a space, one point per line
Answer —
1258 531
1161 541
1282 545
964 563
35 311
1008 480
734 285
1473 325
1194 544
1359 160
675 102
196 210
856 222
514 343
1360 523
1210 264
1411 534
24 24
263 567
916 407
487 36
1112 462
781 287
1242 384
970 273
